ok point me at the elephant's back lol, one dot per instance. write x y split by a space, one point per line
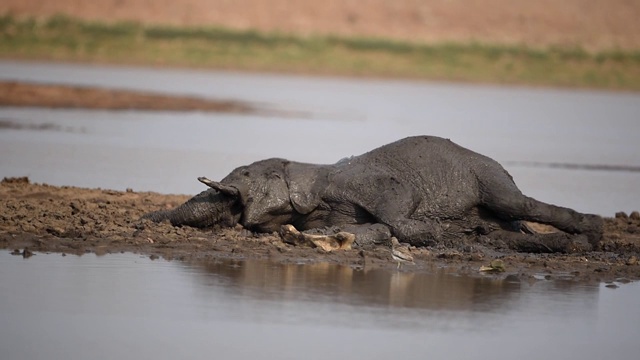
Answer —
440 173
431 153
426 155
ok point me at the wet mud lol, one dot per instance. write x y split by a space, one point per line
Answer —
37 218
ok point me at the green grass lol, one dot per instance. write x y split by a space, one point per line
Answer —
67 39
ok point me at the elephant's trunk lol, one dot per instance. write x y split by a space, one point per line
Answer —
206 209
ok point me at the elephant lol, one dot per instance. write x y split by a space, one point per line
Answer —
422 190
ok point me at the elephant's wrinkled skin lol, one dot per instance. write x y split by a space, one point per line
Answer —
422 190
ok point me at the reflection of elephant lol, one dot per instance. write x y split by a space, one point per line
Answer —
440 289
422 190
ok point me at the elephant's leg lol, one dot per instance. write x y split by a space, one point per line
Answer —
507 202
543 243
416 232
395 211
368 235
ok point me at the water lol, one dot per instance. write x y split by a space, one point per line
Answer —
167 151
127 306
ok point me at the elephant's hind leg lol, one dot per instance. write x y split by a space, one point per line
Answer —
543 243
510 204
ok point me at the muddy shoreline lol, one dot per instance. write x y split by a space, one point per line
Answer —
26 94
39 218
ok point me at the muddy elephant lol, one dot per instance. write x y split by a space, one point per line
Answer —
423 190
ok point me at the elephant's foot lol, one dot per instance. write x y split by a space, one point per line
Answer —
416 232
340 241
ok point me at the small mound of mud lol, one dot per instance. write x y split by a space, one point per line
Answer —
622 233
15 180
43 218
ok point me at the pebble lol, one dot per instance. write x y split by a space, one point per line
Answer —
621 215
632 260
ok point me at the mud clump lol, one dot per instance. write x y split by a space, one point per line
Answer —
42 218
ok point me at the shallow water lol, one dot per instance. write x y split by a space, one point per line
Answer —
127 306
166 151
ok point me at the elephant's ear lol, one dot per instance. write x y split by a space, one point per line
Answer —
306 184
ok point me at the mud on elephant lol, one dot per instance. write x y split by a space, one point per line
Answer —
422 190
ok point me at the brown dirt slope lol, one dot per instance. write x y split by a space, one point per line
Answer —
591 24
43 218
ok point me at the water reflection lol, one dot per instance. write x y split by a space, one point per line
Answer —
127 306
323 282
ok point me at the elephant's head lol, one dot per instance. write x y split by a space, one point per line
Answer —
273 192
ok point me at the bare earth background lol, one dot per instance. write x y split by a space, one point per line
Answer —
591 24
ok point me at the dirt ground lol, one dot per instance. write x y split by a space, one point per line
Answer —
37 218
591 24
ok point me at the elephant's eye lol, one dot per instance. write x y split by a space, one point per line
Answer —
276 175
245 172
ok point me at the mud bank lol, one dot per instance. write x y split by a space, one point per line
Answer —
21 94
42 218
